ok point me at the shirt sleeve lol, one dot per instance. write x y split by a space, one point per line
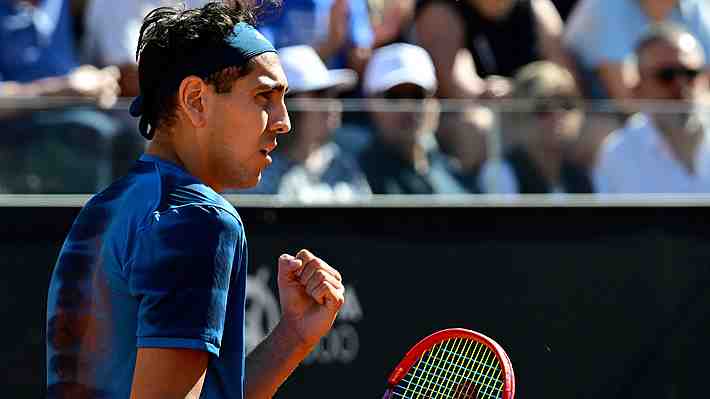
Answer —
180 275
597 32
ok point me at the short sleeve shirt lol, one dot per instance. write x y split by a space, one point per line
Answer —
157 260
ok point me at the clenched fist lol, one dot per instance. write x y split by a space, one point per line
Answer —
311 294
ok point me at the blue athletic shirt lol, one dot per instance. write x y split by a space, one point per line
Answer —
158 260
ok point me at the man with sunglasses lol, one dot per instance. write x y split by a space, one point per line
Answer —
664 148
403 157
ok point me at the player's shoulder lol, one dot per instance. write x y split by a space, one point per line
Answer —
154 187
181 193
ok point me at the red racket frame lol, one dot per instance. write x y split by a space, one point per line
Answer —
428 342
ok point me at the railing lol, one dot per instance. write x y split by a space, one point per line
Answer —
60 146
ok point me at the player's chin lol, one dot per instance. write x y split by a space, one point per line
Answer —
249 181
242 179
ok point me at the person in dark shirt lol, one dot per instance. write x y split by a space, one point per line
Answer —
547 129
403 157
498 36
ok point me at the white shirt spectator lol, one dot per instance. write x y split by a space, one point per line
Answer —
607 31
637 159
112 28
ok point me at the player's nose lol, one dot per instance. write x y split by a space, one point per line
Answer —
280 121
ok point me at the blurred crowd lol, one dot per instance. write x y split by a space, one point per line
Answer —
391 96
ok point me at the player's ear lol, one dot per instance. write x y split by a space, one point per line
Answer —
192 100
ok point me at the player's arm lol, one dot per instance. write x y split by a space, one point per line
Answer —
311 292
179 274
168 373
272 361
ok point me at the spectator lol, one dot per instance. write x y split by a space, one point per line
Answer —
111 30
339 30
308 164
478 44
402 158
463 134
38 60
663 149
37 55
392 21
602 35
539 163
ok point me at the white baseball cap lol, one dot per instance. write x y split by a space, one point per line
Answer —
305 71
396 64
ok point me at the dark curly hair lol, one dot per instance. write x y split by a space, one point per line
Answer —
171 36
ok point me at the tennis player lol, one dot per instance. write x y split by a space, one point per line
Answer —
148 293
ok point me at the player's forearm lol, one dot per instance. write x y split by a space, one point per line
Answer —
272 361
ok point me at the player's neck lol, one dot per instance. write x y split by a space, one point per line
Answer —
161 148
164 148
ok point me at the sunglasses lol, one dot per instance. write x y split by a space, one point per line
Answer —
669 74
557 104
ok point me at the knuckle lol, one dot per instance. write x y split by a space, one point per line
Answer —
304 253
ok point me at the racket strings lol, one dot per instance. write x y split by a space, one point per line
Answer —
457 368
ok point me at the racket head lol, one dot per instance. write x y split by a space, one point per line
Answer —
453 363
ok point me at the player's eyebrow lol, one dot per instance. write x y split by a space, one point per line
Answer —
272 86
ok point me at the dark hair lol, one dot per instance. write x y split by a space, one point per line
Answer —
170 36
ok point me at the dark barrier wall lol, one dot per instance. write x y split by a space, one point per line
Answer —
588 302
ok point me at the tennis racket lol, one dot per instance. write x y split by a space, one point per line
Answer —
455 363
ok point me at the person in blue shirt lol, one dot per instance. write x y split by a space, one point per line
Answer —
148 293
339 30
38 60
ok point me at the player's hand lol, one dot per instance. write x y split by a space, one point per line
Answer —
311 294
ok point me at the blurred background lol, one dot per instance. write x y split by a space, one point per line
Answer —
536 170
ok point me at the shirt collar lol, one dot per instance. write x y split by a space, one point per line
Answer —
654 140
